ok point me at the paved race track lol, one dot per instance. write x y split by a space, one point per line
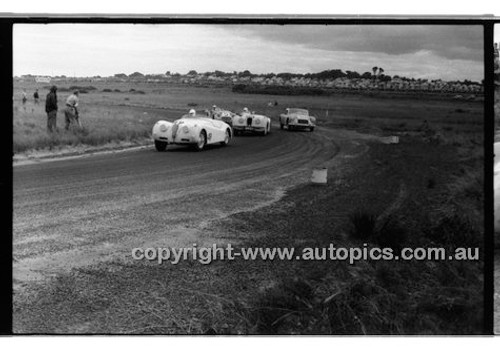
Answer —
76 212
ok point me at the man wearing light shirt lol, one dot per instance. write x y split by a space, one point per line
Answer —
71 111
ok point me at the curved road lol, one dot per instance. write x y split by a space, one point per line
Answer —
84 210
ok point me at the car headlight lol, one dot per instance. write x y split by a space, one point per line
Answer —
241 120
163 127
185 129
257 121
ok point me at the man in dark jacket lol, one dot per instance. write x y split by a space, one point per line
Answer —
51 109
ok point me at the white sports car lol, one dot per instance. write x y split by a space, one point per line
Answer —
222 115
250 122
297 118
191 129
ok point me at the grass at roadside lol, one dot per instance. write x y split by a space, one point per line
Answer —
100 126
430 191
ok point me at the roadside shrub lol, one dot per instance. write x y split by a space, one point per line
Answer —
192 104
77 87
362 225
106 90
277 90
139 92
117 91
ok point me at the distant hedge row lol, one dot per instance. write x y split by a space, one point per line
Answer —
277 90
81 89
133 91
87 88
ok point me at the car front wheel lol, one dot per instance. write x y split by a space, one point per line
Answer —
264 132
226 138
160 145
202 141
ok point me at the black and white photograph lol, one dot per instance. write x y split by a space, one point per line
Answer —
249 178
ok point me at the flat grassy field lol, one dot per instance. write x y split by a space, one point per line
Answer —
127 112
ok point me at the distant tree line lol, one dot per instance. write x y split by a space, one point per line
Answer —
327 74
377 75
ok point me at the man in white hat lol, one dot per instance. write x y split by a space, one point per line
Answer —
71 111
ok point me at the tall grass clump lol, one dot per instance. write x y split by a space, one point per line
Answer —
362 225
388 232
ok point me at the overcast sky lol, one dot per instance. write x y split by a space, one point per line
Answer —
447 52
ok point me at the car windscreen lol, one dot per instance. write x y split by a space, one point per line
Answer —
298 111
195 116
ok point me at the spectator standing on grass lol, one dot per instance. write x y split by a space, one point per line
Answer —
71 111
36 97
51 109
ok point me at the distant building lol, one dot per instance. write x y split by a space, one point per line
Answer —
42 79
